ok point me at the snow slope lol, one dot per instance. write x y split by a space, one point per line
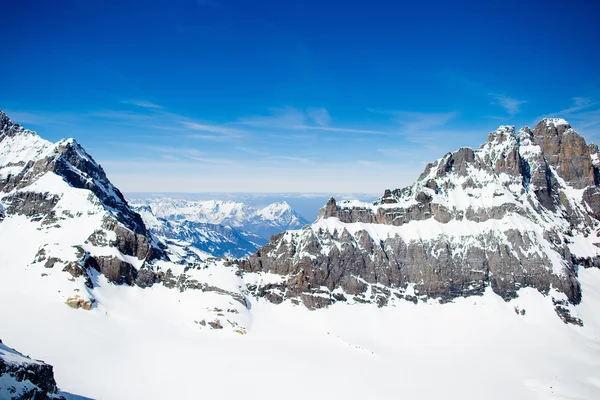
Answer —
144 343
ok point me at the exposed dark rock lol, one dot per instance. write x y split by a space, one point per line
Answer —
216 324
51 261
115 270
566 151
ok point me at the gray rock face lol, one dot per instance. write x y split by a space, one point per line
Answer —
566 151
24 378
507 216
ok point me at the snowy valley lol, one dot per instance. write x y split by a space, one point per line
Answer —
481 279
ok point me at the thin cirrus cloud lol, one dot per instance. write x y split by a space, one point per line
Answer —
290 158
584 112
293 119
142 103
211 128
579 104
511 105
334 129
319 115
410 123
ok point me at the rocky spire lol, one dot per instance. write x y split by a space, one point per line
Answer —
566 151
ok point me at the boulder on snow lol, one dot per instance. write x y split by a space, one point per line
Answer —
78 302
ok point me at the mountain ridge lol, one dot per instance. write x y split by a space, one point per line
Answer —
539 185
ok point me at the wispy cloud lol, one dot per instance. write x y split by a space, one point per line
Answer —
367 163
122 116
209 160
278 118
395 152
413 122
579 104
211 128
510 104
290 158
289 119
252 151
333 129
142 103
584 114
320 116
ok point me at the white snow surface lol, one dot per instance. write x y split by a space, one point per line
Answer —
145 343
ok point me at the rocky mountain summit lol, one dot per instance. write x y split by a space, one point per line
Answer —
73 220
521 211
24 378
58 185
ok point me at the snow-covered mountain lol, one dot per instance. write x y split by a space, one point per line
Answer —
192 241
264 222
456 279
196 230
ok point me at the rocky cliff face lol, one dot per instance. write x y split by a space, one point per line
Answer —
24 378
520 211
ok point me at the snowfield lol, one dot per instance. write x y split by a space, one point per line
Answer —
146 343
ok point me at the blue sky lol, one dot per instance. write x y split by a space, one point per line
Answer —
277 96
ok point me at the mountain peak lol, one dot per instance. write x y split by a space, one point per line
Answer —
278 205
4 120
554 126
10 128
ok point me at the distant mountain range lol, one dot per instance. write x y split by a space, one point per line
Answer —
194 230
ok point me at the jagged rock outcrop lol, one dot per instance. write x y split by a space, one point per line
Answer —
24 378
520 211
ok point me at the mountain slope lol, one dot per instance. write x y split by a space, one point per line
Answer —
521 211
66 226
